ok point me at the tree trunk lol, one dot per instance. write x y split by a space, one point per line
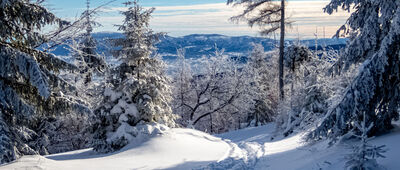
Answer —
281 50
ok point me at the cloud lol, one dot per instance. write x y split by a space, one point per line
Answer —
308 17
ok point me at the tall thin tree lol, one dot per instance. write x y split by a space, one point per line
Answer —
265 13
89 60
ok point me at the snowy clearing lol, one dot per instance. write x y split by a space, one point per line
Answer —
175 149
191 149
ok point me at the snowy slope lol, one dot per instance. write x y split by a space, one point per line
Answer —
250 148
292 154
175 149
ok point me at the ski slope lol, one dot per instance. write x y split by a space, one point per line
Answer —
190 149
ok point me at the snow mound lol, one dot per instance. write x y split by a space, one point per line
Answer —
173 149
138 134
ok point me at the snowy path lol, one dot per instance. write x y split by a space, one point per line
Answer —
292 154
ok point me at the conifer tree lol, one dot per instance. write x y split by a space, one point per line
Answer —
308 88
30 91
88 60
374 41
139 91
363 156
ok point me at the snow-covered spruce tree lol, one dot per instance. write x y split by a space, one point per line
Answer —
263 71
30 92
363 156
295 55
374 29
87 58
90 63
138 93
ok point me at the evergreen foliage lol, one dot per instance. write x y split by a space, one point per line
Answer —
374 41
29 88
89 61
364 156
138 91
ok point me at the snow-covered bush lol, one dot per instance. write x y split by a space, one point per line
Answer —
66 132
363 156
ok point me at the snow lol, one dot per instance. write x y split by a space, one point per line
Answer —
113 95
250 148
291 153
175 149
130 109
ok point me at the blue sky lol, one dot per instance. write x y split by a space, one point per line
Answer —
183 17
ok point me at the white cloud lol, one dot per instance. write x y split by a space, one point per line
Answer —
214 18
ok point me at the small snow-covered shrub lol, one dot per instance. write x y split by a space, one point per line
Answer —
126 134
363 156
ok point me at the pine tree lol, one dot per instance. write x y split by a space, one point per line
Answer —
364 155
29 88
89 61
139 91
374 41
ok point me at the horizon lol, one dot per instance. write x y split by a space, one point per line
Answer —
209 34
185 17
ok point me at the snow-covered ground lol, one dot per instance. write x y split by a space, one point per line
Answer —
292 153
175 149
186 149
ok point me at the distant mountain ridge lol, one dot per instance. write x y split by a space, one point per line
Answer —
197 45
